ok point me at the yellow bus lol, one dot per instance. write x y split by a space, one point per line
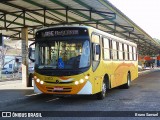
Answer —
82 60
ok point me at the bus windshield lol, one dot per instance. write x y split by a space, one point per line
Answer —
62 54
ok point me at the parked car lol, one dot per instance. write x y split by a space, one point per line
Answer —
7 70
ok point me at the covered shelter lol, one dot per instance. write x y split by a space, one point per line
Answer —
19 19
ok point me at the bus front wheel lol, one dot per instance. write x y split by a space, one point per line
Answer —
101 95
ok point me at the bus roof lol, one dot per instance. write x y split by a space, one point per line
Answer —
118 39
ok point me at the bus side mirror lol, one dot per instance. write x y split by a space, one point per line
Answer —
31 53
96 52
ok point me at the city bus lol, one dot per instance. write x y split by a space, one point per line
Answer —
82 60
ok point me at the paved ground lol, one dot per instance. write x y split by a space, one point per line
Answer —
144 95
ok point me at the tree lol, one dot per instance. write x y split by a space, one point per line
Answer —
3 51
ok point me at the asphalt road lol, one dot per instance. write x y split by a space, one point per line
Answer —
143 95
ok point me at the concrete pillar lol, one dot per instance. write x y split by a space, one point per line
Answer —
25 56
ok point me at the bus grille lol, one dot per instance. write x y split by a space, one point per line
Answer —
58 82
65 89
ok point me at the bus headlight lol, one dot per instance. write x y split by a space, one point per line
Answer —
38 80
41 82
81 80
76 82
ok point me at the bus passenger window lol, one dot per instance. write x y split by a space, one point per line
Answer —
96 52
125 52
114 50
120 51
130 53
106 50
134 53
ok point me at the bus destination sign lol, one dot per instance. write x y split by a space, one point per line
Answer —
65 32
60 33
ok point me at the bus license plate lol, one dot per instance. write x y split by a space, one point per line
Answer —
58 88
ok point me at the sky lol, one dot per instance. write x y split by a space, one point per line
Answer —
144 13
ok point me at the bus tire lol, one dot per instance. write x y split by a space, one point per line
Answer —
128 84
101 95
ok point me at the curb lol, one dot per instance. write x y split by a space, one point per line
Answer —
147 71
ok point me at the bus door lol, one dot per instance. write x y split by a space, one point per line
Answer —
97 70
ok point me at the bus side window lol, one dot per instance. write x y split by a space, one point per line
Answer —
106 49
96 51
110 47
130 53
125 52
117 44
114 49
120 50
134 53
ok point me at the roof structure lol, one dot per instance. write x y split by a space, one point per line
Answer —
101 14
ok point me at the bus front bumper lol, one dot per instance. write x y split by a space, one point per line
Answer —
81 89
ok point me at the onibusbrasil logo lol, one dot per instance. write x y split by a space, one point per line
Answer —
21 114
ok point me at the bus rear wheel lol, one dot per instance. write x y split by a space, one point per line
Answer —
128 84
101 95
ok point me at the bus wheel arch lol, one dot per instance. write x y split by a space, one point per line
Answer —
106 80
105 86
